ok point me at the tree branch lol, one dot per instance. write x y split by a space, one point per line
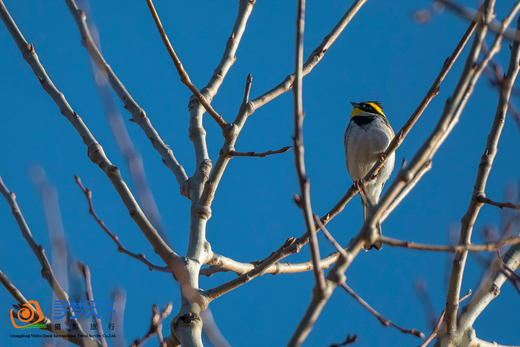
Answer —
155 326
182 72
384 321
299 157
261 154
484 200
141 257
220 263
486 247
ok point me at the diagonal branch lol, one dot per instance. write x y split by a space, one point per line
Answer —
258 270
138 114
384 321
261 154
182 72
220 263
303 180
155 326
141 257
486 247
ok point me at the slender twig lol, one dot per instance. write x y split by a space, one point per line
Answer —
49 326
85 271
384 321
261 154
488 201
486 247
182 72
155 325
350 339
139 256
329 237
404 192
484 168
439 323
138 114
299 157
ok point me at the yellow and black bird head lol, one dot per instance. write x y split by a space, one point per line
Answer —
373 107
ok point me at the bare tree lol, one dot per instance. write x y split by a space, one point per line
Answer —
453 328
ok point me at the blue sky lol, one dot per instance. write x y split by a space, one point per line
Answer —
382 55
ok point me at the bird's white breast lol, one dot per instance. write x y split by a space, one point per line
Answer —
364 144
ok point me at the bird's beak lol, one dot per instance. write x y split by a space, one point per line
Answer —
354 104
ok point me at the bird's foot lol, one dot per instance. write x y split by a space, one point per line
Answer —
382 159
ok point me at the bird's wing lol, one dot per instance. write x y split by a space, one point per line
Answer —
345 142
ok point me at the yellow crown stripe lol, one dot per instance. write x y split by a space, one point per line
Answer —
356 111
377 108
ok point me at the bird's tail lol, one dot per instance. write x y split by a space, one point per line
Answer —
366 209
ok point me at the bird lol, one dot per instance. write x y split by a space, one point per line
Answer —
367 136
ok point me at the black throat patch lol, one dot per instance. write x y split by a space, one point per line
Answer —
364 120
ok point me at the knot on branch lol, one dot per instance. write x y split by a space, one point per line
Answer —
205 168
337 277
29 51
185 188
203 211
230 131
187 320
192 103
495 290
95 153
